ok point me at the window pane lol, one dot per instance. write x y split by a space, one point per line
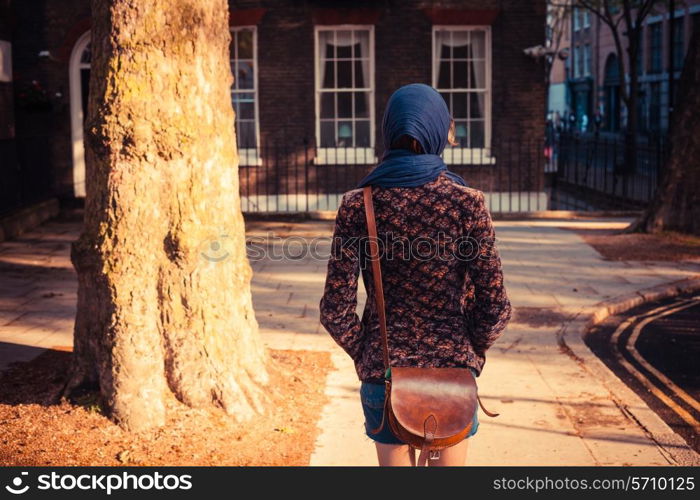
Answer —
327 134
460 79
86 56
477 79
328 105
461 133
361 108
361 67
328 77
444 77
478 44
444 48
345 134
362 138
344 74
344 44
476 104
245 44
246 110
344 104
459 105
344 52
476 132
361 47
244 75
325 42
246 134
460 51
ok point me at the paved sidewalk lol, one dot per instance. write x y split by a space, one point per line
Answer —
552 411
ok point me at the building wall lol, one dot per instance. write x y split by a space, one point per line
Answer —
403 40
6 95
44 131
403 45
8 146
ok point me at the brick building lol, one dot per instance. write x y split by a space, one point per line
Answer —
587 82
312 79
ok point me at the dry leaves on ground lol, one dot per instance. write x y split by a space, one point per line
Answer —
37 432
664 246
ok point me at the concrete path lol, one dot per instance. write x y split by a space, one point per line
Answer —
552 411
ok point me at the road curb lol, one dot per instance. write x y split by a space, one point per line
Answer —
571 338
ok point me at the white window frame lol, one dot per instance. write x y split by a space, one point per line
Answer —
477 156
344 156
249 157
76 112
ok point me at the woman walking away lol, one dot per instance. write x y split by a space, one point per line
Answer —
444 299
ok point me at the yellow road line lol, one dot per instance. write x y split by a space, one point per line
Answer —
663 310
631 346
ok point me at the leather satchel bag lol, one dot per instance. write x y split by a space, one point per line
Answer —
428 408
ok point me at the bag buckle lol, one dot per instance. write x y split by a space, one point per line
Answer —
434 455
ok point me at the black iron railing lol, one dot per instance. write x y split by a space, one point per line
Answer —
592 172
305 178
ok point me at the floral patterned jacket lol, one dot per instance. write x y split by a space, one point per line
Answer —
443 285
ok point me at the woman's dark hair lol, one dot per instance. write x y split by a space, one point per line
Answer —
409 143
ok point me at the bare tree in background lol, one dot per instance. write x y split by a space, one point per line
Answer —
625 19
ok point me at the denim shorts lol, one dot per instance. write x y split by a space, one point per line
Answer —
372 397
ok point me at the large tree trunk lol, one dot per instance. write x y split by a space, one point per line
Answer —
676 205
164 302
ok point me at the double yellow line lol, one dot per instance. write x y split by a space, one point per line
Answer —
630 345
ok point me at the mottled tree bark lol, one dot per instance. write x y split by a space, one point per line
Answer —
160 310
676 205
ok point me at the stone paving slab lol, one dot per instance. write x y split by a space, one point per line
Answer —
552 411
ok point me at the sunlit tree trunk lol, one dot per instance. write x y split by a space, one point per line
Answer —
164 301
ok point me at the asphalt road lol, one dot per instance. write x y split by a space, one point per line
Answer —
655 350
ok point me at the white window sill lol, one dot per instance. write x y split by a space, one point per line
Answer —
345 156
468 156
249 158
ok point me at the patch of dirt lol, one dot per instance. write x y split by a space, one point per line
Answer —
36 432
664 246
538 316
596 412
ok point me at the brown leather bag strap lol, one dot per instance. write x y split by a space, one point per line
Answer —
489 413
376 271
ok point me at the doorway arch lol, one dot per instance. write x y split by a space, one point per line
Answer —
79 76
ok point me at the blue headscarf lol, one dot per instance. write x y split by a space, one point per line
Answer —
419 111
